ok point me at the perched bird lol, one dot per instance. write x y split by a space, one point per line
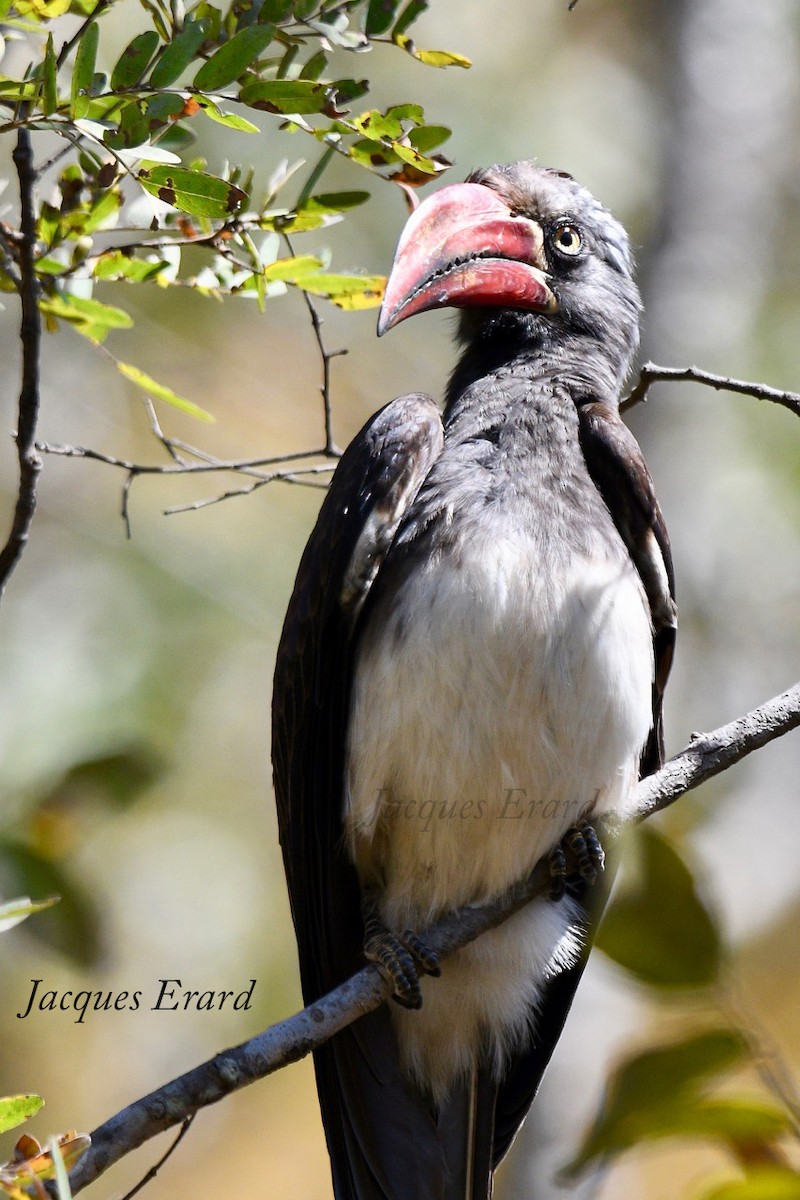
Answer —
471 668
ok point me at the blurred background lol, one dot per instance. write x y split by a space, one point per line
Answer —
136 674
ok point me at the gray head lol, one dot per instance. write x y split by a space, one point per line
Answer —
538 266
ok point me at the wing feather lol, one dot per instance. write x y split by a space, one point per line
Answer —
376 480
619 473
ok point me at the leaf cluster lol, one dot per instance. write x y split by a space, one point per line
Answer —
662 930
130 196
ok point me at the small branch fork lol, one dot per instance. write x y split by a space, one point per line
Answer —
650 374
707 755
295 468
190 460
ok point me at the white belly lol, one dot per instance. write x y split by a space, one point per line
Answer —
513 700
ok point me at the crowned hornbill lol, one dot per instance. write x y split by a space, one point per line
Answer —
472 665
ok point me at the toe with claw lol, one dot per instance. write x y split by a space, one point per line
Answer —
404 957
580 848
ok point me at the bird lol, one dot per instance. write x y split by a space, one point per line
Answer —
471 670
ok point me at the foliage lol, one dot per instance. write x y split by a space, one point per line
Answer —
664 933
128 127
125 197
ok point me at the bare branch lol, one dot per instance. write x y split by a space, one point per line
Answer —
294 1038
281 472
296 475
651 373
30 335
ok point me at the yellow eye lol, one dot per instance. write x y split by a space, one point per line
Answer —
567 240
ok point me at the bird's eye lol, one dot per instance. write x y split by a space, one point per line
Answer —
567 240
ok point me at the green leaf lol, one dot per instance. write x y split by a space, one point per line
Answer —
391 124
16 1109
175 58
158 19
17 89
380 14
163 108
334 202
428 137
285 95
49 82
739 1121
193 192
346 90
134 60
647 1094
114 265
70 927
314 66
233 58
276 10
159 392
13 912
133 129
771 1182
412 156
432 58
89 317
83 72
104 211
229 120
670 942
350 292
408 16
292 270
318 211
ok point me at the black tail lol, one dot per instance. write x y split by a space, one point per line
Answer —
386 1138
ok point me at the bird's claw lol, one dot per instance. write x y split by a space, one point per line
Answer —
586 857
403 956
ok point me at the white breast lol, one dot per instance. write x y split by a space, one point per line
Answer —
499 698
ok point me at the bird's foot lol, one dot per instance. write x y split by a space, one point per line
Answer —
580 854
404 957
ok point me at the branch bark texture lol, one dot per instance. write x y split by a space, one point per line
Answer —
30 335
292 1039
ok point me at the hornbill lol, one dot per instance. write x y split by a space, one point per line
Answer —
472 666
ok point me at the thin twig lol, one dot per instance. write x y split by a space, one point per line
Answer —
297 1036
206 464
156 1167
651 373
65 50
30 336
331 449
289 475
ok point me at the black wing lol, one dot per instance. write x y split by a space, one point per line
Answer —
620 475
376 480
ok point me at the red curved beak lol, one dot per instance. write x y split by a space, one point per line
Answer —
463 247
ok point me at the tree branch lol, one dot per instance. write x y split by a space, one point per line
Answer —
30 335
651 373
331 449
707 755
